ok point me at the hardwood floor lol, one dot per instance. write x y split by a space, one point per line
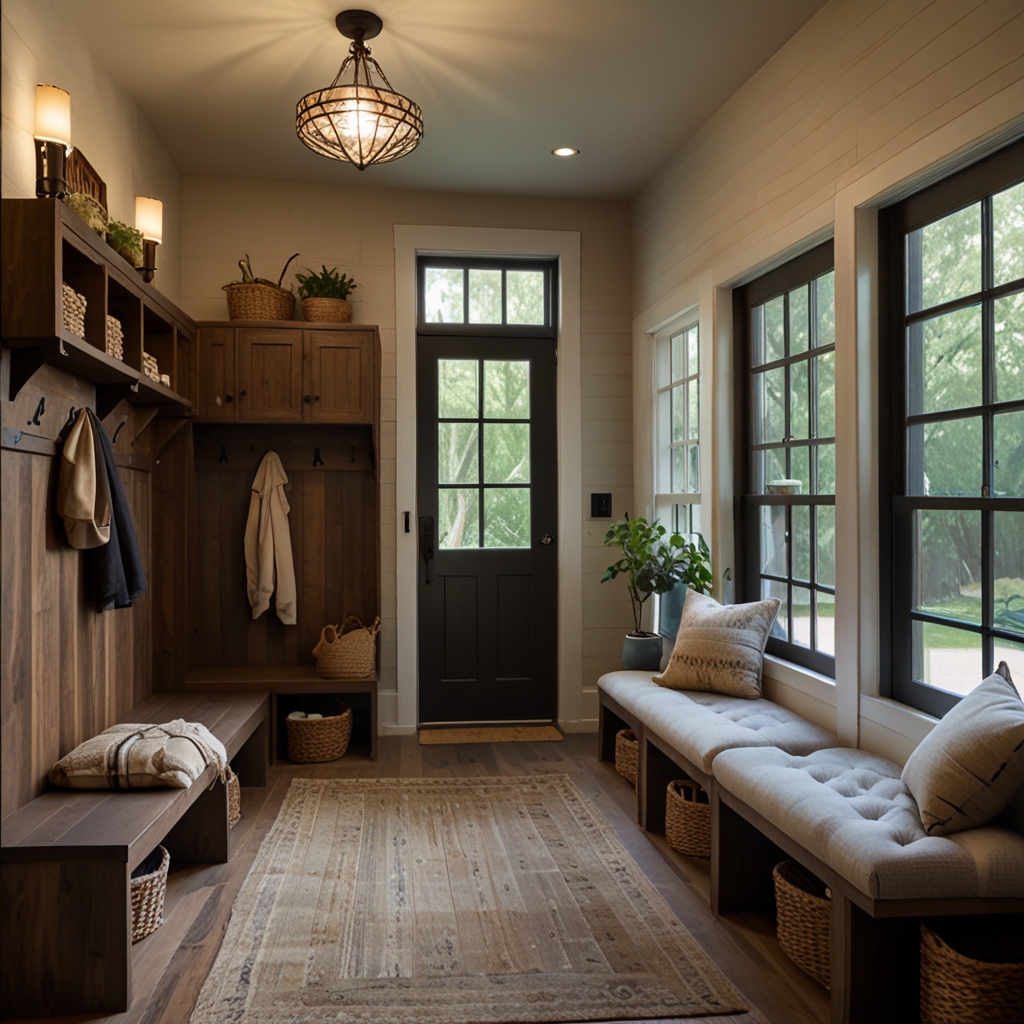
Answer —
171 964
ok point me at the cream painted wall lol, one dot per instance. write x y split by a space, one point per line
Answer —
870 100
39 46
353 229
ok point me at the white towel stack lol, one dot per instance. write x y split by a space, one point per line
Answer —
150 367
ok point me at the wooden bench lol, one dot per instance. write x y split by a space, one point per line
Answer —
67 858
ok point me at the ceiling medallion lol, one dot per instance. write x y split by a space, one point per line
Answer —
363 120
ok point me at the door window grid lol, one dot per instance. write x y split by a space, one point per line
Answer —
500 296
483 453
789 518
959 529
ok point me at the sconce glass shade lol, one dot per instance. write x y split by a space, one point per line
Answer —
149 218
53 115
361 121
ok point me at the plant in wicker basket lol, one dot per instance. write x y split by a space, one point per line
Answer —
325 295
126 241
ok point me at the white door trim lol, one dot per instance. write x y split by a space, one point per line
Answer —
565 245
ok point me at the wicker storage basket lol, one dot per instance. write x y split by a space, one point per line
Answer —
259 302
973 973
351 655
148 894
688 818
804 907
319 739
327 311
74 310
626 755
234 799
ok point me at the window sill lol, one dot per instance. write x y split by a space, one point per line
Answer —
804 680
897 717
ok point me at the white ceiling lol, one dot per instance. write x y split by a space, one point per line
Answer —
501 82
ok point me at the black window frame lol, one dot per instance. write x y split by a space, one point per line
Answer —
548 265
963 189
798 271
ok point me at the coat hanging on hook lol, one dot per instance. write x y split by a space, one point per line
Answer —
269 564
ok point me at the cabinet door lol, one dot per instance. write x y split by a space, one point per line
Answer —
341 374
217 374
269 375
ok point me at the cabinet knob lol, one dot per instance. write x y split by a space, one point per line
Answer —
243 392
306 398
228 398
316 398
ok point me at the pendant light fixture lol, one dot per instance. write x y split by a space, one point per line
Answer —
360 120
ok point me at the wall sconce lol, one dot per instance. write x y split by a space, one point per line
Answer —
52 140
149 219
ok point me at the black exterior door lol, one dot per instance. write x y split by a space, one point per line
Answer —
487 505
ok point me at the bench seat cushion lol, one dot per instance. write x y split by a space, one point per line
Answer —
851 810
700 725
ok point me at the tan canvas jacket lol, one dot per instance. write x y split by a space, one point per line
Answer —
268 543
83 492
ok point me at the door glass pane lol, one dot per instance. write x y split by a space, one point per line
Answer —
944 362
693 409
774 343
945 458
506 389
826 295
947 563
485 296
457 453
825 454
506 453
801 616
825 517
457 387
458 511
1008 454
950 260
442 297
826 411
774 542
825 612
679 357
1009 338
678 398
770 396
1008 229
1008 573
507 517
524 297
799 328
772 588
799 418
801 538
945 657
800 469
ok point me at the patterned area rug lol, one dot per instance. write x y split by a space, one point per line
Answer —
492 734
450 901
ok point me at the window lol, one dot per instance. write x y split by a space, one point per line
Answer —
785 327
677 352
952 471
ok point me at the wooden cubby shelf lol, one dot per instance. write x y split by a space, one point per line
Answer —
46 245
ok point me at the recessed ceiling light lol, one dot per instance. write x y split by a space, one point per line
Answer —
565 151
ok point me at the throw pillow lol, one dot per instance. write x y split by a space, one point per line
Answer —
720 647
135 756
966 770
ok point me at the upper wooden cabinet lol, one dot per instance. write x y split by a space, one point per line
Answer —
287 372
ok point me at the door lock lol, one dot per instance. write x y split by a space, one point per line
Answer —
546 539
427 545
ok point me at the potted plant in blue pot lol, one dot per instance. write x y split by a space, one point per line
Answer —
655 563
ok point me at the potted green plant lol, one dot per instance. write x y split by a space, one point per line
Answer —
655 564
325 295
126 241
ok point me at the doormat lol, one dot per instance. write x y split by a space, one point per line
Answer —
450 901
492 734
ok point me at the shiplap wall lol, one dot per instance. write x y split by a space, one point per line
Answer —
868 101
353 228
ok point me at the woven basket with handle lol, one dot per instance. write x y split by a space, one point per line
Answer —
313 740
972 973
804 909
688 818
234 799
351 655
148 892
626 754
259 302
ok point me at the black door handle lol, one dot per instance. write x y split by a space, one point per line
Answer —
427 546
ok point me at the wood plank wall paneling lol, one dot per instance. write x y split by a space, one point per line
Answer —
333 524
67 672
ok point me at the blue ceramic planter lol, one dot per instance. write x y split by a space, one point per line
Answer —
642 653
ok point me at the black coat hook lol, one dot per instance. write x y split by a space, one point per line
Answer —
223 455
40 409
120 426
317 461
353 460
